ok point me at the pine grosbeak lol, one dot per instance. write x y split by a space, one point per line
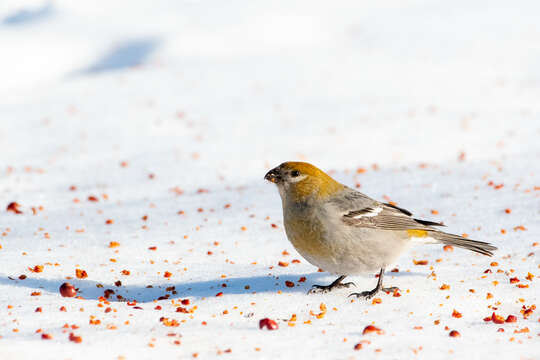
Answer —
346 232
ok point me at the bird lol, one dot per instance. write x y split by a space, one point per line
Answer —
345 232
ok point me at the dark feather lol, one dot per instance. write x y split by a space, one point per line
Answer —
406 212
428 223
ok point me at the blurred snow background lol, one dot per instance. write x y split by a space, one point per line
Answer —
136 102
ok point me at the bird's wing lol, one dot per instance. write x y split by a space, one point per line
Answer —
385 217
361 211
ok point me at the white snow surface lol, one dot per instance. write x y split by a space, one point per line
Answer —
167 106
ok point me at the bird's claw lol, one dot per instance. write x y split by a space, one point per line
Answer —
322 289
364 294
371 293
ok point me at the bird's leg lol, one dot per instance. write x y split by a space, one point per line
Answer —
337 284
371 293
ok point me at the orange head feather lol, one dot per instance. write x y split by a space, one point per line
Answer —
303 180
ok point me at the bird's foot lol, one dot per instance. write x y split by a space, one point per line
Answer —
321 289
371 293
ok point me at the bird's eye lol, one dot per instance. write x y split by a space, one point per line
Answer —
295 173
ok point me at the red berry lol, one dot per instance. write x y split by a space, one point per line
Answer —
497 319
67 290
75 338
268 323
372 329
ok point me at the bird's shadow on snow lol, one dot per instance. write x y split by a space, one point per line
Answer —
28 16
92 290
126 54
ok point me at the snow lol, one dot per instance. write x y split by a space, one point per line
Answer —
184 106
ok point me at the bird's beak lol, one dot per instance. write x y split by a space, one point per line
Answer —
273 176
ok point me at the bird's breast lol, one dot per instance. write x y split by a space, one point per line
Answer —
307 234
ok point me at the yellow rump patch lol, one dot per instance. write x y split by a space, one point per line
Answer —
417 233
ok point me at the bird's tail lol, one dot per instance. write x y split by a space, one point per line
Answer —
459 241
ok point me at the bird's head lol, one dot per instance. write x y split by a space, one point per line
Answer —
299 181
